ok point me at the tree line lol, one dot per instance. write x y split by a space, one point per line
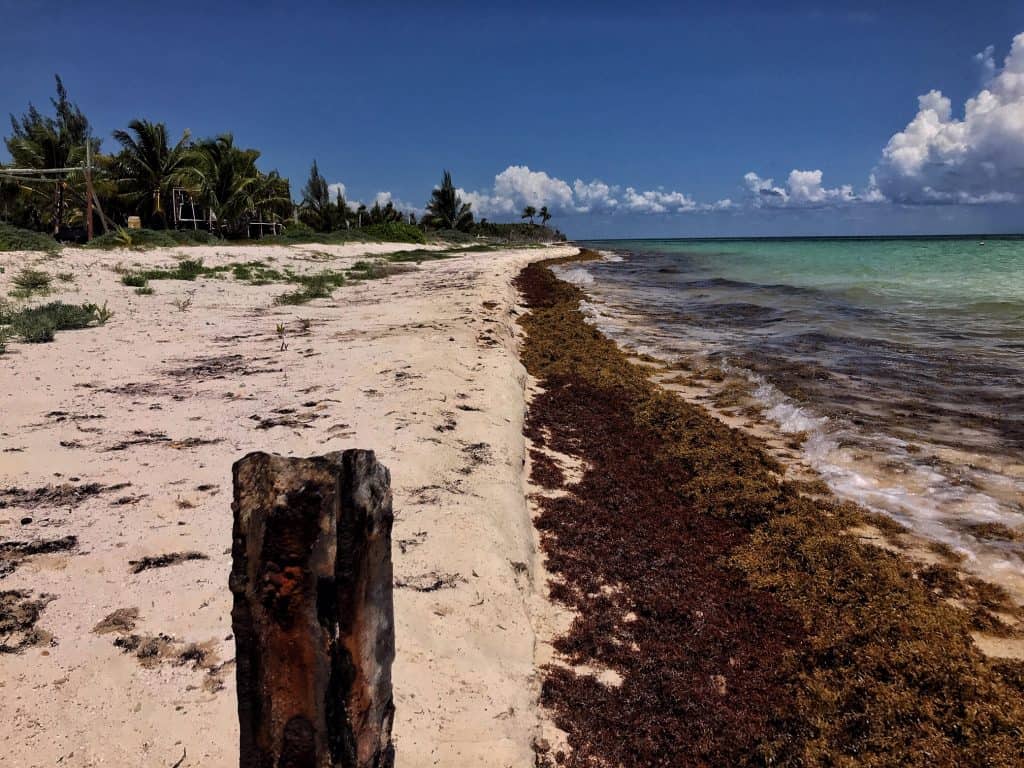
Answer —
136 180
217 177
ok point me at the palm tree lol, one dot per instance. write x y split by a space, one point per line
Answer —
445 209
226 180
528 213
545 215
147 167
271 197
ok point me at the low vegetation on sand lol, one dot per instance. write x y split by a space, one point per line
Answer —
743 622
185 269
38 325
144 239
29 282
314 285
16 239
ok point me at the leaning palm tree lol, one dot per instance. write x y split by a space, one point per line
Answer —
545 215
528 213
147 167
445 209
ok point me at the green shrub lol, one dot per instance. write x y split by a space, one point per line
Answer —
424 254
138 239
101 314
16 239
186 269
37 325
193 237
512 233
316 286
190 269
395 232
452 236
300 296
256 273
36 330
4 336
134 280
145 290
29 281
363 270
296 232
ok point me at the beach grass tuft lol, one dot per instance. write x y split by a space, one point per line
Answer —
319 285
38 325
185 269
134 280
29 282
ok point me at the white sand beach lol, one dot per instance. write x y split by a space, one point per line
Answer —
155 406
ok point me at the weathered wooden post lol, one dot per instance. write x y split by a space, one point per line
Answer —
313 617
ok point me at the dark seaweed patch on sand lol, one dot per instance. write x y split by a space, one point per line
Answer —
744 623
14 553
163 561
66 495
122 620
153 650
19 612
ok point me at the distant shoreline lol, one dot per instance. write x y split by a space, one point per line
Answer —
784 238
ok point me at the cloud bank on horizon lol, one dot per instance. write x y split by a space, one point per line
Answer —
937 159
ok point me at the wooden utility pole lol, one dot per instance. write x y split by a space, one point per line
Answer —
313 617
88 189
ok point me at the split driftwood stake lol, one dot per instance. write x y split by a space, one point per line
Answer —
312 616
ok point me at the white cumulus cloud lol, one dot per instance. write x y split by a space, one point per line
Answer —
536 188
802 189
979 158
594 196
518 186
381 197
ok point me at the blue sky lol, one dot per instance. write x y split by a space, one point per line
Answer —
661 111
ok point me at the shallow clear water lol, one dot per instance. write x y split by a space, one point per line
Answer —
902 360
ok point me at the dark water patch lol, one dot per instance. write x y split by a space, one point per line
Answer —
740 314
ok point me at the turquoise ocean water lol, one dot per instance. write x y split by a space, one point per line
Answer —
901 360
